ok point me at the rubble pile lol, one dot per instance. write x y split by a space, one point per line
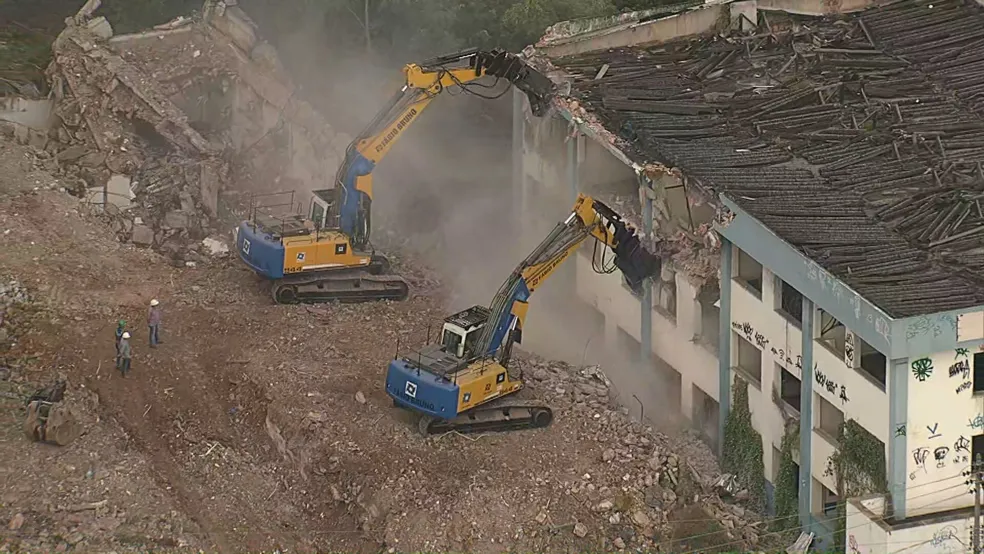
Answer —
12 294
152 127
647 474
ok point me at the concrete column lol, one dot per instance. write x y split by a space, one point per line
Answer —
572 166
806 418
724 343
518 171
898 415
646 311
573 183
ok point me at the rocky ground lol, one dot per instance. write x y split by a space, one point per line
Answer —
257 426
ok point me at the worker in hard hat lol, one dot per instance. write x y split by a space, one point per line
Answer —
124 354
120 329
154 322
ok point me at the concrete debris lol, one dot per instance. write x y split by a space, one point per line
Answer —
650 475
180 112
12 293
215 247
580 530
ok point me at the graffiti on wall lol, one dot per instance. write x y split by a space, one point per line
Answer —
926 325
900 430
827 281
922 369
942 455
823 381
946 537
827 383
852 544
977 423
849 349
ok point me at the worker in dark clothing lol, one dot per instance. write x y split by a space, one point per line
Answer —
154 322
123 357
120 329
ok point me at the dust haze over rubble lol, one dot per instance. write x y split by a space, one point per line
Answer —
445 192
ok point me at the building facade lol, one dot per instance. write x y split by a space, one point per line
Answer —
834 355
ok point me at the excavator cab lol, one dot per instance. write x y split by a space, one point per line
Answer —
460 331
323 212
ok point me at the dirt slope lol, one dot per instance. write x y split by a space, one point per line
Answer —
257 426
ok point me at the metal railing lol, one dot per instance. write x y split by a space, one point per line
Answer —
410 349
272 217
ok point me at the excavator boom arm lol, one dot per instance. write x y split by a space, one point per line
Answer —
589 217
422 84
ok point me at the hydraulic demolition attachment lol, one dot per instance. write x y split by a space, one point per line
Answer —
462 382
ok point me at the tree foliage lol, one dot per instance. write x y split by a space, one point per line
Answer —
743 449
414 29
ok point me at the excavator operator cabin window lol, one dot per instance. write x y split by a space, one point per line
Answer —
470 340
451 341
317 215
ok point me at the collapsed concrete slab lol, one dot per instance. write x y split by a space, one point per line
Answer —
185 110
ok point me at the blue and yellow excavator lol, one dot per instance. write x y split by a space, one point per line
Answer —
461 383
327 255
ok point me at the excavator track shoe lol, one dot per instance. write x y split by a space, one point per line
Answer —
348 286
499 416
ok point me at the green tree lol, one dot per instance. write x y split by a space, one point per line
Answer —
525 21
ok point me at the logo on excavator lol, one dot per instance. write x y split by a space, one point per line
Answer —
535 280
411 390
246 246
400 125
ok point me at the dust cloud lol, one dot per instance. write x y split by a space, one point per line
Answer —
445 194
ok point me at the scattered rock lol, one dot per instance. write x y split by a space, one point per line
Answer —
142 235
640 518
16 522
608 455
580 530
215 247
619 543
360 398
72 153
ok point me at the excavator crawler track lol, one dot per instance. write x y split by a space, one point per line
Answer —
342 285
500 415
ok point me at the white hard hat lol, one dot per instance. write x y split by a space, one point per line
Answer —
154 302
126 334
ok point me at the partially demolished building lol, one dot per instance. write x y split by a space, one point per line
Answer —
153 127
813 172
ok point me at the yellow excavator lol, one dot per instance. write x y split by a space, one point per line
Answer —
461 383
326 255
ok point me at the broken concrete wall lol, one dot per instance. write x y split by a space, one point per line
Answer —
35 114
579 36
181 111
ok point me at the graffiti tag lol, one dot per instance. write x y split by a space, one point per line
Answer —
829 384
852 543
932 430
922 369
977 422
919 456
962 353
939 454
960 369
945 535
900 430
